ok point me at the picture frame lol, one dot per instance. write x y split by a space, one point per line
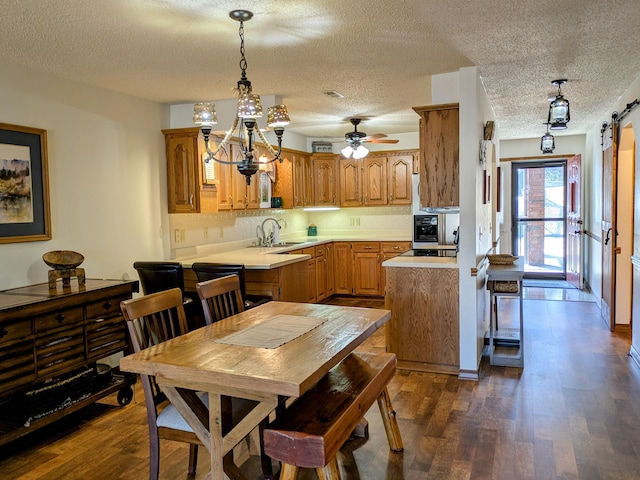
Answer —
24 185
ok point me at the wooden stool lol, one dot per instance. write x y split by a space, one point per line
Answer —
311 431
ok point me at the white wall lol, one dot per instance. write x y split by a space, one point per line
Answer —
106 175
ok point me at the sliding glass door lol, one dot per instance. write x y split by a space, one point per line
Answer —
539 220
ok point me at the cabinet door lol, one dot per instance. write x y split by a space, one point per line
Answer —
366 273
375 181
439 159
302 180
325 181
350 182
330 265
238 182
225 185
400 169
182 176
342 272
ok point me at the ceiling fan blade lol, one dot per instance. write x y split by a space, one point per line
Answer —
377 135
378 140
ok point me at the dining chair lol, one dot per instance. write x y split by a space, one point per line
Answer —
208 271
221 298
156 276
153 319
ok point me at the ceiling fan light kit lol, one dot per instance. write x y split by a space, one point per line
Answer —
249 109
355 140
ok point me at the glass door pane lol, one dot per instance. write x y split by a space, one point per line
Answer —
540 218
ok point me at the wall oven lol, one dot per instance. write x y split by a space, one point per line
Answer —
425 230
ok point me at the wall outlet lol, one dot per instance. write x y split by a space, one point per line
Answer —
176 235
354 221
206 232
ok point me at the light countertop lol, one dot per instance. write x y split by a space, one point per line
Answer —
265 258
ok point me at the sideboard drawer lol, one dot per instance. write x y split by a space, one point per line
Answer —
59 351
62 318
106 307
13 330
16 365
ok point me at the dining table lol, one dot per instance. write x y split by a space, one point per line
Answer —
274 351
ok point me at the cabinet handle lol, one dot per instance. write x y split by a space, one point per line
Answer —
396 247
367 248
3 332
191 199
60 317
107 305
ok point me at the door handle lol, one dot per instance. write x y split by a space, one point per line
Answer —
606 240
577 232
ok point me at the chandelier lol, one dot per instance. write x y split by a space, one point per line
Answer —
558 109
547 142
245 123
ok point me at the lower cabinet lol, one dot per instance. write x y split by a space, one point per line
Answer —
366 267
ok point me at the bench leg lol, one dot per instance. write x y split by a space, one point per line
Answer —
288 471
330 471
389 420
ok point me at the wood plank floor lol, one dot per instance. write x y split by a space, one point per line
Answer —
573 412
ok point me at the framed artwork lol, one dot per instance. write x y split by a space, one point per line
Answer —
24 185
498 189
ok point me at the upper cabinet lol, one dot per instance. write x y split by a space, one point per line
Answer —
325 180
188 190
294 180
378 179
439 159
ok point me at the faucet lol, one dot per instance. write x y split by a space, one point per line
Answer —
274 237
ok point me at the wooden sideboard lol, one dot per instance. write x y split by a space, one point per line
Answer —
51 340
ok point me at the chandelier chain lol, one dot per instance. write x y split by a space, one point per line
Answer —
243 60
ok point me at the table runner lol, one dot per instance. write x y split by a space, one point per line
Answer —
274 332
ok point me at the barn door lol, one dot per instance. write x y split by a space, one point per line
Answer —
608 228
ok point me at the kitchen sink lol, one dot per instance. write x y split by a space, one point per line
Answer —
276 245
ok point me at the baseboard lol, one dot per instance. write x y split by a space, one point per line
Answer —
635 355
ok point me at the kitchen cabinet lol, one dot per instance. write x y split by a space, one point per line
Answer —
439 155
424 330
366 268
294 180
358 268
325 180
376 180
50 341
399 171
188 191
342 272
329 259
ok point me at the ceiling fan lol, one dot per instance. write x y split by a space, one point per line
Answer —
355 140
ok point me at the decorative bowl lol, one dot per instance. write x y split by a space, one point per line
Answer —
63 259
501 259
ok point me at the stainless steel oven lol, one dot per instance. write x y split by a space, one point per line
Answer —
425 230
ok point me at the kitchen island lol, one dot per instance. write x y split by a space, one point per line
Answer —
423 295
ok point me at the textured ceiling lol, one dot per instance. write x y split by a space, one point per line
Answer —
378 54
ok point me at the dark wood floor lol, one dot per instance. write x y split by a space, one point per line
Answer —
573 412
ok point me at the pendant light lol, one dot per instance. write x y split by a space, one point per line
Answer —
559 114
547 142
245 122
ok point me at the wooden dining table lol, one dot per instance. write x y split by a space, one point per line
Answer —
278 349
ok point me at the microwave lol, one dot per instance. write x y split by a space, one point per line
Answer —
425 230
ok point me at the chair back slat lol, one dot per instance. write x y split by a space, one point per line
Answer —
220 297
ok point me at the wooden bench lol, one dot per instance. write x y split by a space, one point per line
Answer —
311 431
